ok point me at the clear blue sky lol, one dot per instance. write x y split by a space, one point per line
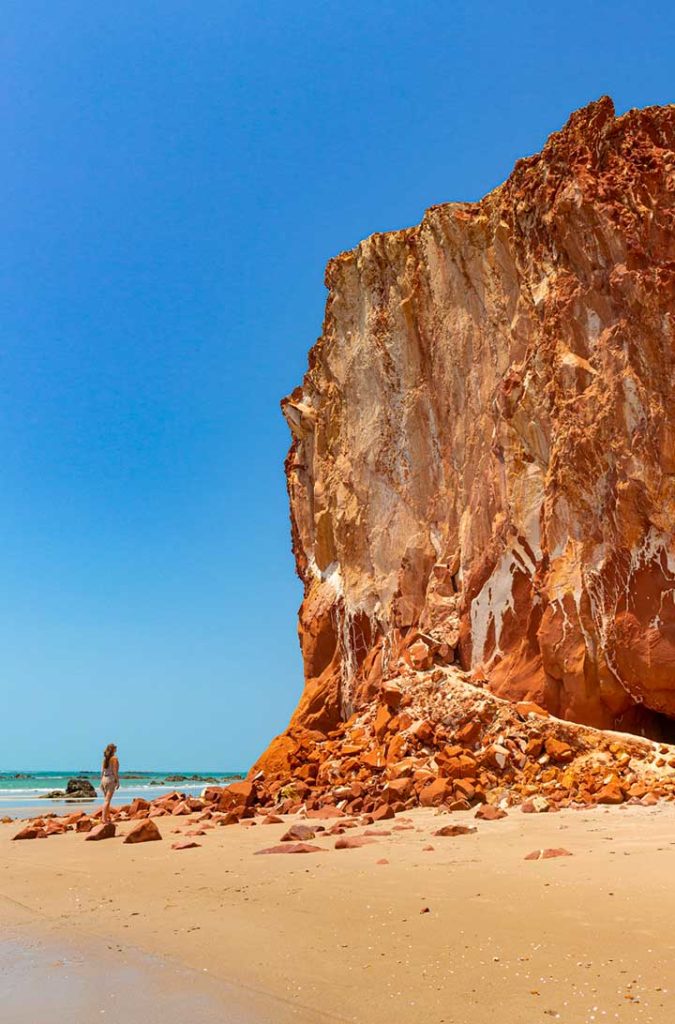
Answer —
175 177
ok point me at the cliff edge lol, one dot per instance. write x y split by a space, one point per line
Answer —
482 468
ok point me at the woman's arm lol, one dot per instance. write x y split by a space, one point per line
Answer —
115 765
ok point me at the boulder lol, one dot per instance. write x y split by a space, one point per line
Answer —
298 833
436 793
30 832
106 830
79 788
611 793
488 812
383 812
144 831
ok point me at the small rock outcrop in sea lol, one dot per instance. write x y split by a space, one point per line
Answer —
76 789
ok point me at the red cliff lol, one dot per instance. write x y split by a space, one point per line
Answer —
482 471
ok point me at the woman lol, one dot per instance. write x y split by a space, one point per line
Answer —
110 778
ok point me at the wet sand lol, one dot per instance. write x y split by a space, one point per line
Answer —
337 936
62 982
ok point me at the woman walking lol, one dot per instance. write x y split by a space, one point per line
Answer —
110 778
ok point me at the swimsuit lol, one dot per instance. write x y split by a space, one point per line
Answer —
108 780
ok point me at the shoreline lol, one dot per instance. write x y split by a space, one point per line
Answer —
338 931
81 978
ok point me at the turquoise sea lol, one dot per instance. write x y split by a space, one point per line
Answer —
23 792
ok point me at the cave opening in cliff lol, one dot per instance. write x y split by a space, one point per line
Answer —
652 724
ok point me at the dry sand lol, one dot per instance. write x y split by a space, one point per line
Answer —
336 936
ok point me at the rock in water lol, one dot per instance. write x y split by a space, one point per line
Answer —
482 467
80 788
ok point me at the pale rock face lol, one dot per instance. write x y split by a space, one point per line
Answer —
483 450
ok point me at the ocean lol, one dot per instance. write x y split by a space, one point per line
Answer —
24 792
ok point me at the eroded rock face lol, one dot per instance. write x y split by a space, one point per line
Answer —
483 458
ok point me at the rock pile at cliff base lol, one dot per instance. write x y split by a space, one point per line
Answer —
434 739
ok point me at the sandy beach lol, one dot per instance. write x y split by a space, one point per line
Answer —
448 935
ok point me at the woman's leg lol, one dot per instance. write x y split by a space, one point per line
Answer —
108 792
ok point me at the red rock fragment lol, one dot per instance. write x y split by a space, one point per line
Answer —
353 842
106 830
229 819
436 793
383 813
292 848
558 751
455 830
610 794
547 852
145 831
298 833
536 805
488 812
30 832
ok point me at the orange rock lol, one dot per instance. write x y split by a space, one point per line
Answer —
610 794
455 830
547 853
391 694
487 812
398 789
139 804
422 731
436 793
382 720
30 832
353 842
420 655
292 848
106 830
373 759
298 833
383 812
469 733
558 751
498 755
534 746
145 831
536 805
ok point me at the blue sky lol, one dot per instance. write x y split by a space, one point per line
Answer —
175 176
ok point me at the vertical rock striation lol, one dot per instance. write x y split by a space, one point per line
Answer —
482 468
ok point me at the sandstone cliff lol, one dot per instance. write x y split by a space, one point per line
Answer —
482 470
